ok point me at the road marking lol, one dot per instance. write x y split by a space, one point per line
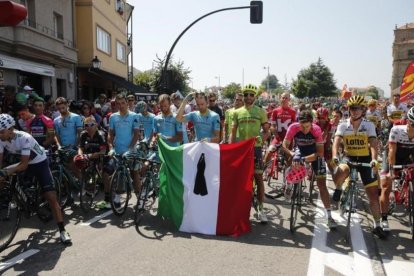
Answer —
96 218
18 259
400 268
321 255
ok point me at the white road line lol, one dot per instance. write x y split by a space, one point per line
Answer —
96 218
400 268
18 259
362 262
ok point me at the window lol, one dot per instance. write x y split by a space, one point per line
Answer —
411 53
120 51
31 16
58 25
119 6
103 40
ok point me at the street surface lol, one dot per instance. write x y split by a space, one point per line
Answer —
104 244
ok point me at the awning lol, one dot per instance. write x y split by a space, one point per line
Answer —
121 82
27 66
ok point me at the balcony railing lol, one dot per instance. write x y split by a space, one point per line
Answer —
48 31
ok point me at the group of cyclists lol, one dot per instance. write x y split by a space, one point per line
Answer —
316 134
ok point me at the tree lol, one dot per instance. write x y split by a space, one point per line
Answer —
373 92
315 81
273 82
145 79
231 90
177 77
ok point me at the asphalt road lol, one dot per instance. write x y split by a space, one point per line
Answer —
110 245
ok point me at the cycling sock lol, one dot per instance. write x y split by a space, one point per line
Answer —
107 197
328 213
61 226
377 223
384 216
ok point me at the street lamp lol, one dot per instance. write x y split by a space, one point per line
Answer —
268 87
96 63
218 88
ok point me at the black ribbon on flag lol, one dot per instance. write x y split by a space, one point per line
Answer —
200 185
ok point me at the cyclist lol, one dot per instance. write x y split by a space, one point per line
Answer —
360 145
122 137
228 117
33 162
396 110
146 120
308 138
282 117
400 152
206 122
248 120
41 126
68 127
373 114
165 124
322 121
213 106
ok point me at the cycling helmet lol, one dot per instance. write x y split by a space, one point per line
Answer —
6 121
140 106
81 161
250 88
410 114
295 175
356 100
323 112
372 102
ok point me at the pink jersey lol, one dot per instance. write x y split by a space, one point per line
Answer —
305 142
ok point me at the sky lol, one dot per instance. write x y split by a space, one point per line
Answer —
353 38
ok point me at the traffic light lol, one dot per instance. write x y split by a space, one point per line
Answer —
256 12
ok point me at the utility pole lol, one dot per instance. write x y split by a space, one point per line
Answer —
268 86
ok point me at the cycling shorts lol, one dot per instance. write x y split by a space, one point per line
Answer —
319 168
43 174
385 168
365 173
258 160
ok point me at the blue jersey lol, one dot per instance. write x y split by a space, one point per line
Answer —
204 125
123 128
167 126
67 128
146 123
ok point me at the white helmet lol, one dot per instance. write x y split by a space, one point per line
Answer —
6 121
410 114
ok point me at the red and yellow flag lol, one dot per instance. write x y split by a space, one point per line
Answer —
407 86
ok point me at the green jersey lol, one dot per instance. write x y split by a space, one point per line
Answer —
228 122
249 122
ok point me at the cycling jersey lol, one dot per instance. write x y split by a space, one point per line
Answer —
305 142
204 124
123 127
356 142
93 144
24 144
282 117
228 120
67 128
167 126
39 127
396 112
146 123
249 122
326 128
405 146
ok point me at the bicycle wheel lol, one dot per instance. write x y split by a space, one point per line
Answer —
350 203
120 192
62 183
88 190
294 205
141 207
10 216
411 209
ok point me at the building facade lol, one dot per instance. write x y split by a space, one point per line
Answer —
103 33
41 50
402 53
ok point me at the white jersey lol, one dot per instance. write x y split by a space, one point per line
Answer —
396 112
24 144
374 116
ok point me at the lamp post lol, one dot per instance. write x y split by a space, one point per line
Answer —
219 85
268 87
96 63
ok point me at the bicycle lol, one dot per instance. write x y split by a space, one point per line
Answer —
271 171
350 195
89 183
149 188
18 196
121 184
404 192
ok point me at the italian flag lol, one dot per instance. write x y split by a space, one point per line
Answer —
207 188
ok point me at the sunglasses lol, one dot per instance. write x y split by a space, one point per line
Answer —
355 108
89 124
212 101
249 94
